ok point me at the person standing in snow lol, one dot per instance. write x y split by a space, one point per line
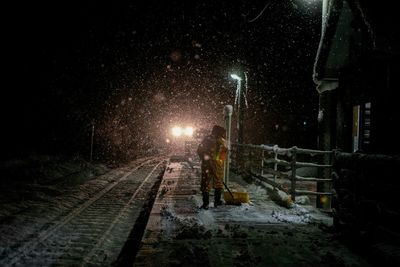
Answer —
212 152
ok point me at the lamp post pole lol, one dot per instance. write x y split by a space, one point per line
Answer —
239 112
239 121
228 110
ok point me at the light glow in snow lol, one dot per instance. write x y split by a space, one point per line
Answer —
189 131
178 131
236 77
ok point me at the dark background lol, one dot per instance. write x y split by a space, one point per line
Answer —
135 68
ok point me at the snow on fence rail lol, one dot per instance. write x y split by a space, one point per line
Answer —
269 163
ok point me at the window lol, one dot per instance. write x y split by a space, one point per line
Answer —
361 133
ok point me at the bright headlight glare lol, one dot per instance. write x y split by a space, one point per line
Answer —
189 131
177 131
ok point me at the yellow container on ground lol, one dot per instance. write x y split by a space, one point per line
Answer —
238 197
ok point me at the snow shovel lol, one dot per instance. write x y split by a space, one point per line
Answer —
235 198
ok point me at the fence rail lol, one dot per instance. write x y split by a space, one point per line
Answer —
269 163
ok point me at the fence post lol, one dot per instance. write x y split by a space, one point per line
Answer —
252 161
262 162
276 158
293 177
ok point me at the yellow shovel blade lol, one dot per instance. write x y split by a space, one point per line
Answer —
238 197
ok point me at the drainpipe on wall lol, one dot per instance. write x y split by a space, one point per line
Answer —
324 13
327 111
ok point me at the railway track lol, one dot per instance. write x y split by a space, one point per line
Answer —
93 232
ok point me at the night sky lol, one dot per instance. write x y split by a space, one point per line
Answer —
136 68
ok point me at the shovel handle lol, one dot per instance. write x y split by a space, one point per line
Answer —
228 190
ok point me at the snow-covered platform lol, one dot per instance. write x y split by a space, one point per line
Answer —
260 233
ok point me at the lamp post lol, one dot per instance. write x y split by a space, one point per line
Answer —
239 121
228 109
239 112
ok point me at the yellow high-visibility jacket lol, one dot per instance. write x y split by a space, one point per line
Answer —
221 151
212 153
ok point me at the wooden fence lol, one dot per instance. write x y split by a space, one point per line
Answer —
273 165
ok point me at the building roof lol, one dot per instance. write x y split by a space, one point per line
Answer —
353 29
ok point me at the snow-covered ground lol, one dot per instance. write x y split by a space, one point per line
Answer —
259 233
83 219
89 218
41 179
